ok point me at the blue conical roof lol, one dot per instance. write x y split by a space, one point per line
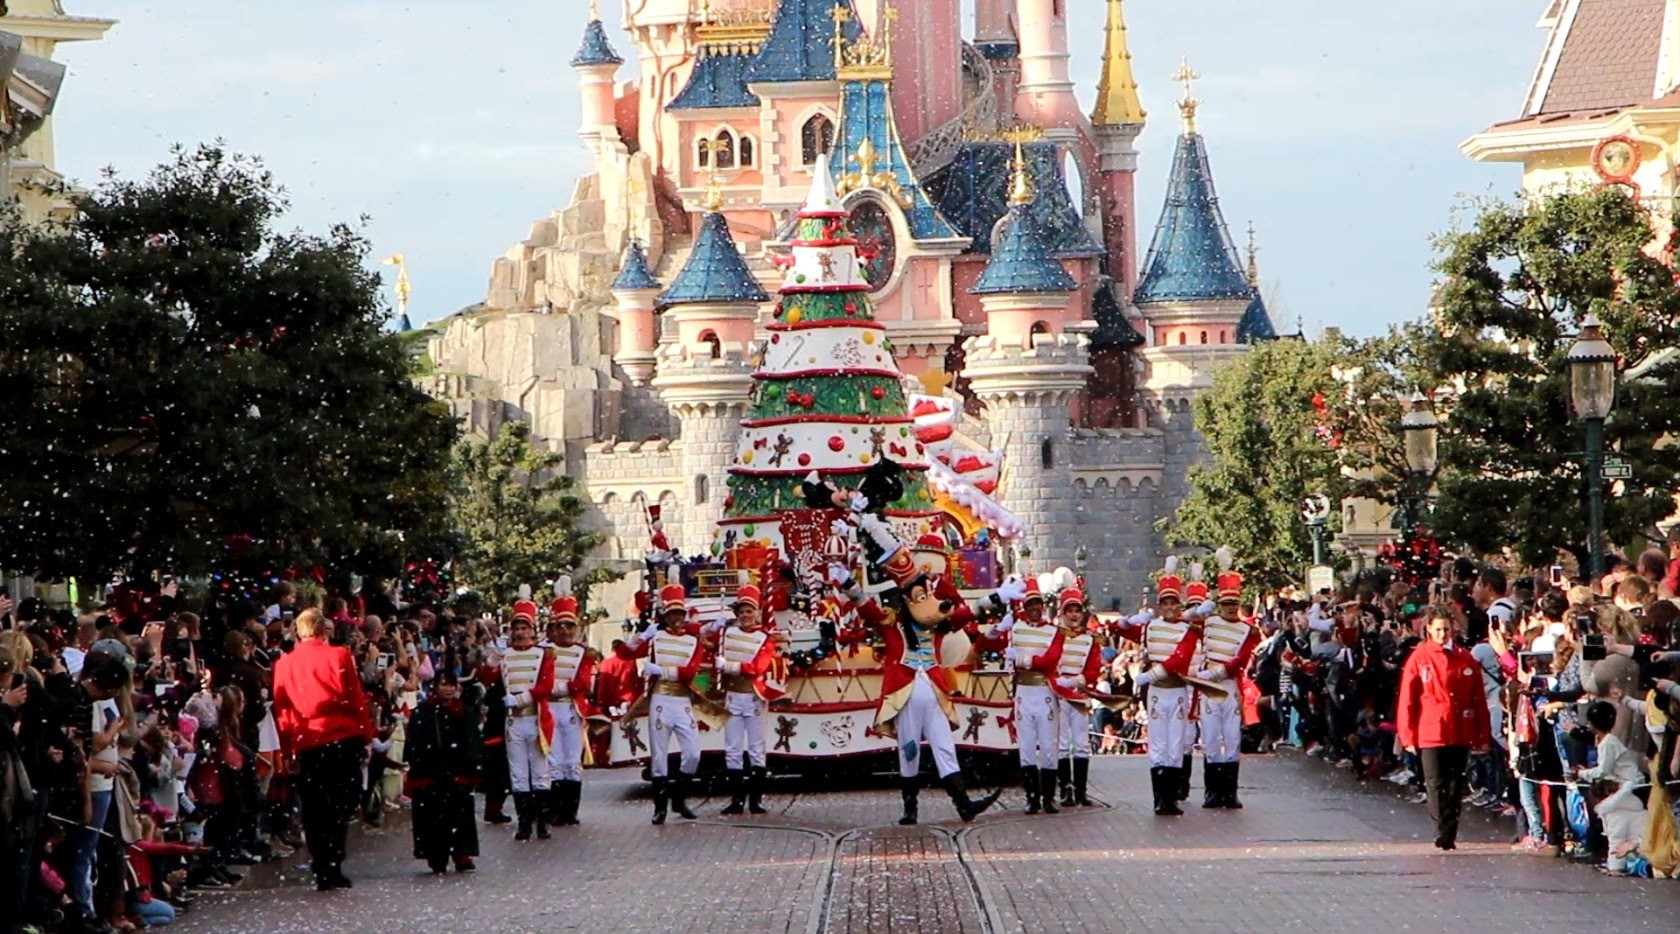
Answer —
719 80
715 271
975 195
801 42
1192 257
635 274
1113 327
595 50
1256 323
1021 260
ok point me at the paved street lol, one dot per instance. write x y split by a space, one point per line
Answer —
1313 851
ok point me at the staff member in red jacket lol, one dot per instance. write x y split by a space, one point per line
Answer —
322 716
1442 715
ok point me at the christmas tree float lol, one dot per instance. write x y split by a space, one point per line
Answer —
828 395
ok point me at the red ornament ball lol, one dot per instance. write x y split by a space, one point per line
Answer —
792 397
877 392
775 338
808 400
836 443
804 460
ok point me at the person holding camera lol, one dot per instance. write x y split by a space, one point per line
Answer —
1442 716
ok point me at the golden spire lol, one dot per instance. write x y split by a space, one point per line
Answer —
594 10
1021 186
870 57
1253 258
403 288
1188 103
1117 92
713 202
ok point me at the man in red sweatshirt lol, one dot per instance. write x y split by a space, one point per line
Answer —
324 726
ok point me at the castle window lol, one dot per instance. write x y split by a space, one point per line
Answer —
710 339
1204 337
1183 338
1047 454
725 149
1222 338
703 153
815 138
702 489
746 151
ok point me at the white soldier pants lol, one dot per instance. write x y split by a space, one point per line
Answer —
743 735
1073 724
565 754
672 716
1222 726
527 768
922 720
1035 726
1171 733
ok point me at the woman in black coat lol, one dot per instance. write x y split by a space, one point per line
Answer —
445 756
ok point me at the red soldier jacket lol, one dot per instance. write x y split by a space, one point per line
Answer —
682 655
1082 659
1441 701
574 676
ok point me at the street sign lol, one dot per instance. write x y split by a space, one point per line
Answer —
1617 469
1320 577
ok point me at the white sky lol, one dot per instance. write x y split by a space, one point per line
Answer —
1332 125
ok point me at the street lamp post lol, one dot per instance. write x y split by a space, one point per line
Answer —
1421 431
1592 393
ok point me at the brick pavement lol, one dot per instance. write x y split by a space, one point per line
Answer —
1313 851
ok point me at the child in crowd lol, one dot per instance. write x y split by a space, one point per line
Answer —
1614 780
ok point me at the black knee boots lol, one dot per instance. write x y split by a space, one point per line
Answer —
908 789
522 805
736 779
755 789
661 799
1184 779
1081 780
1164 782
1064 780
679 796
570 794
967 808
1047 789
1030 786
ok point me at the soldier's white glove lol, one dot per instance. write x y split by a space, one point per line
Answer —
731 668
653 671
1003 626
839 576
510 701
1022 658
648 632
1070 682
1012 589
1140 619
1211 674
714 627
1205 609
562 689
1142 679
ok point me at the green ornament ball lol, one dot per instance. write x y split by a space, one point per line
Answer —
750 530
813 744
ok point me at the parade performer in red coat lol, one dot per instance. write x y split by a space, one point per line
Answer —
528 682
1076 676
1032 645
1441 716
1228 642
674 656
752 677
569 705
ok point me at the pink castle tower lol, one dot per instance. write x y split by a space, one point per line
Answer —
1045 96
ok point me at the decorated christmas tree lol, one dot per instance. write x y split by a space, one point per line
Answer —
828 395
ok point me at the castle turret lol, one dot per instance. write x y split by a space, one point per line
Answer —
1256 325
634 294
992 33
1192 290
1045 95
596 63
704 373
1026 370
1117 121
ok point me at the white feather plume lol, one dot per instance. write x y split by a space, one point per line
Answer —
1225 558
563 585
1047 582
1196 570
1172 564
1065 579
524 591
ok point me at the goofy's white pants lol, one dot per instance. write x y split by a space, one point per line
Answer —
527 769
922 720
672 716
1073 724
1171 734
1035 726
565 755
743 735
1221 727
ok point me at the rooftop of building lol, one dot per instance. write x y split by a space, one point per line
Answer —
635 274
974 195
715 272
800 46
1606 55
595 49
1192 257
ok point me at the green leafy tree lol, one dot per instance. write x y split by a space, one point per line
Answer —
1269 447
520 518
1518 281
189 388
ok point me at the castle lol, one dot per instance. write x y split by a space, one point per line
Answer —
999 226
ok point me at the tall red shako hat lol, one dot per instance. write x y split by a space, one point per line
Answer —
1196 591
1229 584
1169 585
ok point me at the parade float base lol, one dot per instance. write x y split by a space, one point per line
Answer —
830 715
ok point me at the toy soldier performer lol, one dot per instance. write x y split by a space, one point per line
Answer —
1229 643
1171 645
746 656
528 682
574 677
1033 646
674 655
1077 673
